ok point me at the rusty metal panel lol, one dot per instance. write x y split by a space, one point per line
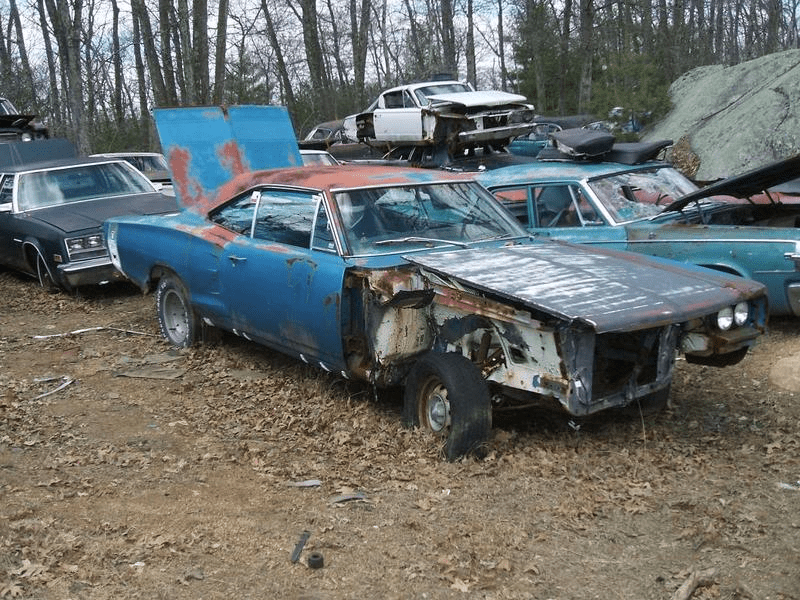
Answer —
207 146
600 288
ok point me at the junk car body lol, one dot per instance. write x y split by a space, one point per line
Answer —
414 277
19 127
51 215
446 114
625 200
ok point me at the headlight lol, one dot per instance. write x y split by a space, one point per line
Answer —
84 244
725 318
25 137
741 313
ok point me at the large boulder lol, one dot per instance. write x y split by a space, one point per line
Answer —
735 118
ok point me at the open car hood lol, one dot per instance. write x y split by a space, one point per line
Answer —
606 290
207 146
484 98
744 185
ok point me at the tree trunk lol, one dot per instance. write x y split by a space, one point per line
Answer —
319 81
501 47
116 60
472 73
27 73
199 54
189 90
359 32
144 112
220 52
586 52
283 73
449 62
160 95
165 18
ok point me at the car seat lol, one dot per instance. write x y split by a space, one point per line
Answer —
553 206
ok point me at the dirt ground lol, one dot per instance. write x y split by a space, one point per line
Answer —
128 470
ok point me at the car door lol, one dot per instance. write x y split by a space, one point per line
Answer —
278 288
10 236
397 118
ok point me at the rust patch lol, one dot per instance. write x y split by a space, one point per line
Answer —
232 158
190 192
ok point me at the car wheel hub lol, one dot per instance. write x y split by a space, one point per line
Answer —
175 317
437 410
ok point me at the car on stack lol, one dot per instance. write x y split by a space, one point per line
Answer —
449 115
414 277
590 190
18 127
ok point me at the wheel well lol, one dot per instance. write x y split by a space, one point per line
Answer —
31 252
723 269
156 274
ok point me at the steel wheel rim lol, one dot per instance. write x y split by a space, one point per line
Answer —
435 407
176 318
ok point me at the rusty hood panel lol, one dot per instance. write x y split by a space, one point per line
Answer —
608 290
207 146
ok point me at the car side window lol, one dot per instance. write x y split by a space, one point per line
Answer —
323 234
393 99
6 190
286 217
563 206
516 201
238 214
554 206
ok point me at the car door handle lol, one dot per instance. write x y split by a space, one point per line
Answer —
237 259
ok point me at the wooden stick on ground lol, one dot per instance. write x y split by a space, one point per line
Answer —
695 580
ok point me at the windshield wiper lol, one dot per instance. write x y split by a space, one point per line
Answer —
413 238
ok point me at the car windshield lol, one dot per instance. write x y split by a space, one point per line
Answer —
391 219
51 187
444 88
148 163
640 194
6 108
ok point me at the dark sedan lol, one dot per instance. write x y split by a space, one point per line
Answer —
51 215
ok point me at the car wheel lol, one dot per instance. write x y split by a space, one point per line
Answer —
446 394
176 318
43 274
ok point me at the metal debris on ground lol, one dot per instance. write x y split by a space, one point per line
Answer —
299 546
91 330
65 381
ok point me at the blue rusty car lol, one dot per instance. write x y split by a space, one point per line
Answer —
400 276
624 199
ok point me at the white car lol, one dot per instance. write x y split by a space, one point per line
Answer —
447 113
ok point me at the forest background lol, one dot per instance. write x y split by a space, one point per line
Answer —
93 69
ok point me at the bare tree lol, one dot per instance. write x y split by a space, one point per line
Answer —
220 51
66 22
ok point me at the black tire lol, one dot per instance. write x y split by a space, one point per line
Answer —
176 318
446 394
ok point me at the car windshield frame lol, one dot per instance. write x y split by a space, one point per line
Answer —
55 186
639 194
379 220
